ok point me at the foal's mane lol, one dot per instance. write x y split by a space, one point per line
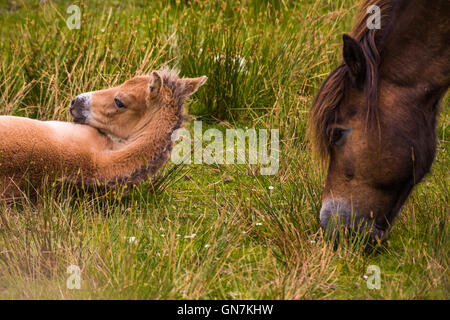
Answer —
170 79
333 91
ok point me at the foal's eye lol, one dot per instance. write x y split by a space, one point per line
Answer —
119 104
337 136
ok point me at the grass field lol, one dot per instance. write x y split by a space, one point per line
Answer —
209 231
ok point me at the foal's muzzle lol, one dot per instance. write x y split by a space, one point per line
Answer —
79 107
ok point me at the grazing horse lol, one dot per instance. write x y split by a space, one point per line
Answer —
119 135
373 120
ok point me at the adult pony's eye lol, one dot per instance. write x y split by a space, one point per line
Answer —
337 136
119 104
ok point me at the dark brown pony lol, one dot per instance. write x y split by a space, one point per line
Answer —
374 118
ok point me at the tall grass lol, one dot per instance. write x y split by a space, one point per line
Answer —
202 231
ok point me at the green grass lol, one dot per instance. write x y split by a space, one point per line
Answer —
212 232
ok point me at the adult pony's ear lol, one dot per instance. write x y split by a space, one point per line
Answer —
188 86
155 84
355 60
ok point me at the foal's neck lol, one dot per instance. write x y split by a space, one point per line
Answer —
145 152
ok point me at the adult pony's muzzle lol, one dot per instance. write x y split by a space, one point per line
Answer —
334 213
338 215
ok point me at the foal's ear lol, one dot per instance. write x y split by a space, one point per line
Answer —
154 87
355 60
190 85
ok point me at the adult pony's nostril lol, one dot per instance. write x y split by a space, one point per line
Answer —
72 103
324 218
334 212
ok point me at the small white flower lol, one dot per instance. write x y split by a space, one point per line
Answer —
259 224
242 63
163 235
218 58
238 60
207 246
270 187
178 235
365 277
132 240
191 236
313 241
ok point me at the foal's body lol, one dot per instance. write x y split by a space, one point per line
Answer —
32 150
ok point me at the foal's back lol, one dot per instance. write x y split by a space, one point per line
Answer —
29 148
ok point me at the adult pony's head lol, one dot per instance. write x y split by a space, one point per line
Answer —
373 120
125 110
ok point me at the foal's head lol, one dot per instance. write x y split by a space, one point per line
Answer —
125 110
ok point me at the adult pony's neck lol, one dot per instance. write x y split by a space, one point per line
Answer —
417 46
408 74
411 47
414 64
410 52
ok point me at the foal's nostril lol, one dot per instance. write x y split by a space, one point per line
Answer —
75 109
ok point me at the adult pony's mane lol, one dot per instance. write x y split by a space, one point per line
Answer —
325 107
